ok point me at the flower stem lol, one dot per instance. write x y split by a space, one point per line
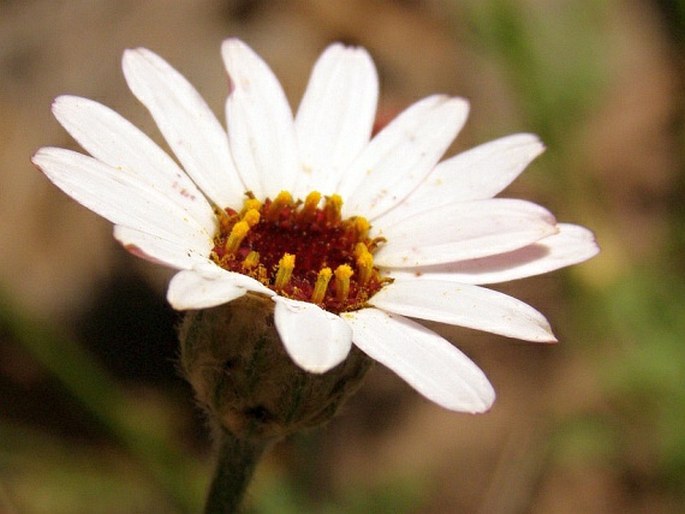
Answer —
237 460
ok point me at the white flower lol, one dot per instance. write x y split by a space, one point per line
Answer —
436 232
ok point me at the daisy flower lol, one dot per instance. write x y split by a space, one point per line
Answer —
350 236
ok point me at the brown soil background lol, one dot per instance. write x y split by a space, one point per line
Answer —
604 91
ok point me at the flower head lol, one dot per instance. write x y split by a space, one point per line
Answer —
349 235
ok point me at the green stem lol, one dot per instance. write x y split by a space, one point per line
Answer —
237 460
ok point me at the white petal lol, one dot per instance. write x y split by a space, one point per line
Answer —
462 231
464 305
158 249
315 339
479 173
335 117
118 197
208 286
260 123
187 123
429 363
189 289
115 141
573 244
400 157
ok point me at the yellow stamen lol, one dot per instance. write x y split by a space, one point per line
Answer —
333 208
251 217
364 263
251 261
361 226
238 233
283 199
343 273
321 285
251 203
310 205
285 271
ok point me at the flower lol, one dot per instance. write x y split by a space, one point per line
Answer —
349 235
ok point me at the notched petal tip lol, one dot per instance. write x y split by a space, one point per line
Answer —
43 156
62 100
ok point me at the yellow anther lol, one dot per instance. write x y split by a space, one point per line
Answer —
251 261
283 199
360 249
238 233
333 209
343 273
251 217
364 263
310 205
251 203
361 227
321 285
285 270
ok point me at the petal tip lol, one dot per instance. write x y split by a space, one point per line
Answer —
546 336
480 401
59 101
134 56
231 47
486 403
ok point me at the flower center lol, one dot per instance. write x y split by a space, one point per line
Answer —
302 250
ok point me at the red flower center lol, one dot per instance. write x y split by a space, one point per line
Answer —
302 250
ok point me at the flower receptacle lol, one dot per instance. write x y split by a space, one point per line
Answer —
243 378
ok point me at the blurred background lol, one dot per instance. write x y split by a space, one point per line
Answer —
94 417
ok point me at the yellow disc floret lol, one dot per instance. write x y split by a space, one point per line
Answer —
285 270
310 206
361 227
333 208
321 285
251 217
251 203
238 233
282 200
251 261
343 274
364 260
